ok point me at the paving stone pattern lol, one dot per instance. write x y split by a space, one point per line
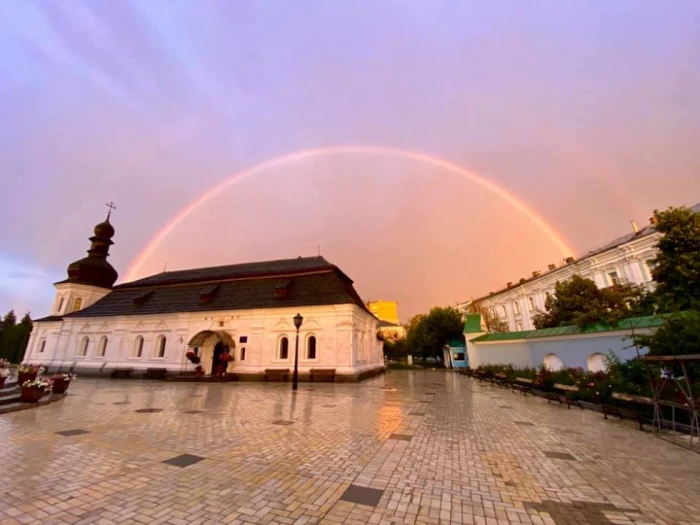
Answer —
354 454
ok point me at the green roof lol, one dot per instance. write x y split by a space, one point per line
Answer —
651 321
472 324
456 343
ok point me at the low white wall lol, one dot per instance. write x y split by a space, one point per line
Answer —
573 350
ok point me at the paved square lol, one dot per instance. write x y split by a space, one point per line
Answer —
467 461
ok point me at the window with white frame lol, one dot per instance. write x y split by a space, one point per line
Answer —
283 348
83 348
613 278
311 347
493 313
503 310
42 346
531 303
519 327
516 307
160 346
60 304
102 346
77 304
138 346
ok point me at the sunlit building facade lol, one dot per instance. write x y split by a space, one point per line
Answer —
626 260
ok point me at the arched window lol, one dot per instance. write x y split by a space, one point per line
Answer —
553 363
242 353
102 347
42 346
138 346
311 347
284 348
82 350
531 302
516 307
77 304
160 346
493 313
503 310
60 304
596 362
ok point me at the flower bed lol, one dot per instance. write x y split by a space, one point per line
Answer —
625 385
28 373
34 390
61 382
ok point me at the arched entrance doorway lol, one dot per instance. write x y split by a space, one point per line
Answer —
211 345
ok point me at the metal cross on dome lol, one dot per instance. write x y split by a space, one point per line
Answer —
111 207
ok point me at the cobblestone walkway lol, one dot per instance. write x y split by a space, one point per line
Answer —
408 447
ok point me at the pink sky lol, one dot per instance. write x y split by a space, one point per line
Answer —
588 113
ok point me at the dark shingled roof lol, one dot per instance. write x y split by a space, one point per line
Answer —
48 319
312 281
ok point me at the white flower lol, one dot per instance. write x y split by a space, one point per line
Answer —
4 373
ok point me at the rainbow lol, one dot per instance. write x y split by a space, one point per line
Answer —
436 162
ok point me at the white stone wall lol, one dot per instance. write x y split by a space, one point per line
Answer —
630 261
345 336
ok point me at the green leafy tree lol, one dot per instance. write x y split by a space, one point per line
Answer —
678 335
395 349
579 302
428 333
677 264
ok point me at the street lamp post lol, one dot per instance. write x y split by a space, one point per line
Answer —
298 320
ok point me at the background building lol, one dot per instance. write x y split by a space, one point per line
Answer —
388 314
626 260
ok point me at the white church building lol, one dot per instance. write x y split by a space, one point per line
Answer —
246 310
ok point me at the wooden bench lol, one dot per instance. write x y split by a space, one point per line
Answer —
641 409
121 373
499 380
276 374
155 373
563 398
323 375
522 384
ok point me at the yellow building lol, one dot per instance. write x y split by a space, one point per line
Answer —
388 314
385 310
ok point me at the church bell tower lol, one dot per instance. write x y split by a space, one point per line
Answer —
90 278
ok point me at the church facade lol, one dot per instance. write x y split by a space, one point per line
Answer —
243 311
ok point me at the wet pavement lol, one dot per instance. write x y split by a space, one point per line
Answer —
407 447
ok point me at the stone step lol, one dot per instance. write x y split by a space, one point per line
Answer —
9 383
10 396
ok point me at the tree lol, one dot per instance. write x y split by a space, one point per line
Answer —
678 335
491 321
395 349
579 302
677 264
428 333
14 337
9 320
